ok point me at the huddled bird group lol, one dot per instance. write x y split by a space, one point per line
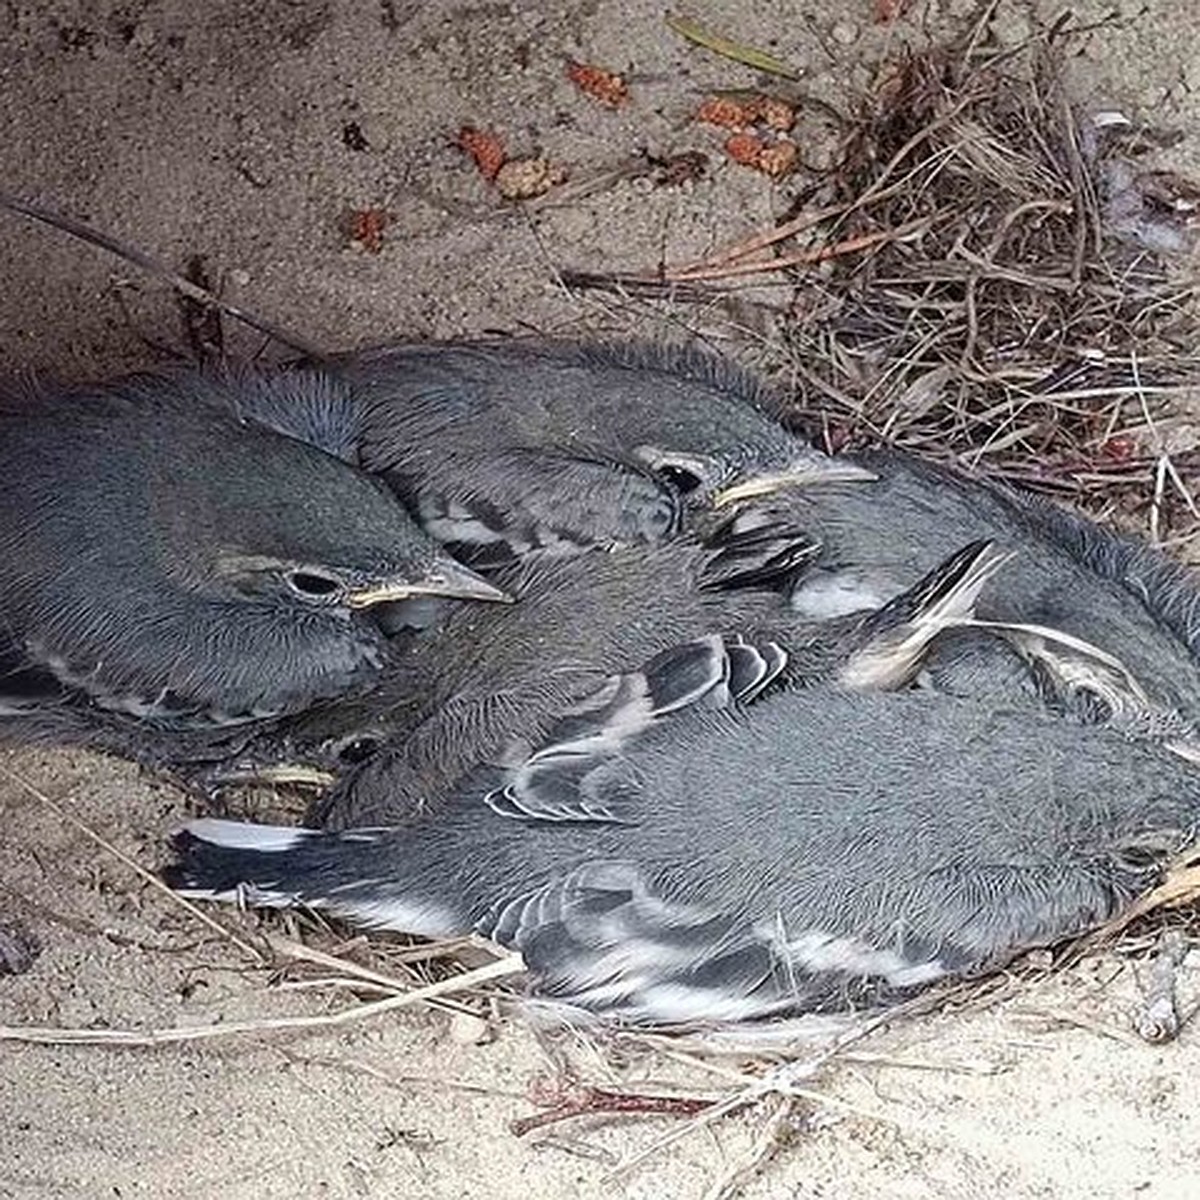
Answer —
592 655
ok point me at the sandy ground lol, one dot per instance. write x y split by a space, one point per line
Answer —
222 129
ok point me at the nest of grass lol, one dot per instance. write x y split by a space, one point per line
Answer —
1019 312
988 276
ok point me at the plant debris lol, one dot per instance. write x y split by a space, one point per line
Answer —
984 275
524 178
487 150
1024 329
760 124
749 56
887 11
742 110
773 158
366 226
606 86
678 169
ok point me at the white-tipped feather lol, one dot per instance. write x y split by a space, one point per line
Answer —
241 835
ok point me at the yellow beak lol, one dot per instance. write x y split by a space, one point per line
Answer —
445 578
803 474
281 773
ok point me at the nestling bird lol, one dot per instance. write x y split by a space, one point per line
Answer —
1068 574
505 448
489 680
671 856
499 448
162 558
1092 625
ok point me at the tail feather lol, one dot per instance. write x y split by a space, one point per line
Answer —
896 636
358 874
228 860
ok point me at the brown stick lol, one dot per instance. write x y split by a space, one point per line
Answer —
183 285
574 1100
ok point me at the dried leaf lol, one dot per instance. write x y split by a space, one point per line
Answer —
367 226
728 48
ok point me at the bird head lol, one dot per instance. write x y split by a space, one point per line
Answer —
262 518
753 470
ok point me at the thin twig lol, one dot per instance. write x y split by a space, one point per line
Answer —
502 968
136 867
139 258
775 1132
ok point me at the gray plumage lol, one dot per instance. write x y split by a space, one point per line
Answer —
161 558
662 861
489 680
501 449
443 422
1067 573
861 543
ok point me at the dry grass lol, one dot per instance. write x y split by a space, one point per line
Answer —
1032 327
987 275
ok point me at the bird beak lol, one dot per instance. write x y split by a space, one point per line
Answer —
445 578
296 774
807 472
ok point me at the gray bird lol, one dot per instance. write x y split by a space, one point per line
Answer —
504 448
670 856
468 434
1069 575
161 558
1090 625
489 680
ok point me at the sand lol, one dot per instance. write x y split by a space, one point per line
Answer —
225 130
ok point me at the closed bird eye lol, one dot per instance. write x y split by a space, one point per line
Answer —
312 585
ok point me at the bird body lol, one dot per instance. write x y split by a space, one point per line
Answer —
483 684
506 448
512 448
818 849
161 558
1066 574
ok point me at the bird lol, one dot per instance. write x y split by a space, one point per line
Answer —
506 448
1068 574
491 679
474 436
672 855
161 558
1093 626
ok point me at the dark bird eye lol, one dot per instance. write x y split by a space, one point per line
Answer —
313 586
680 478
358 750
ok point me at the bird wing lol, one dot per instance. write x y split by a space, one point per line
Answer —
600 938
581 772
766 554
493 503
1075 666
895 637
